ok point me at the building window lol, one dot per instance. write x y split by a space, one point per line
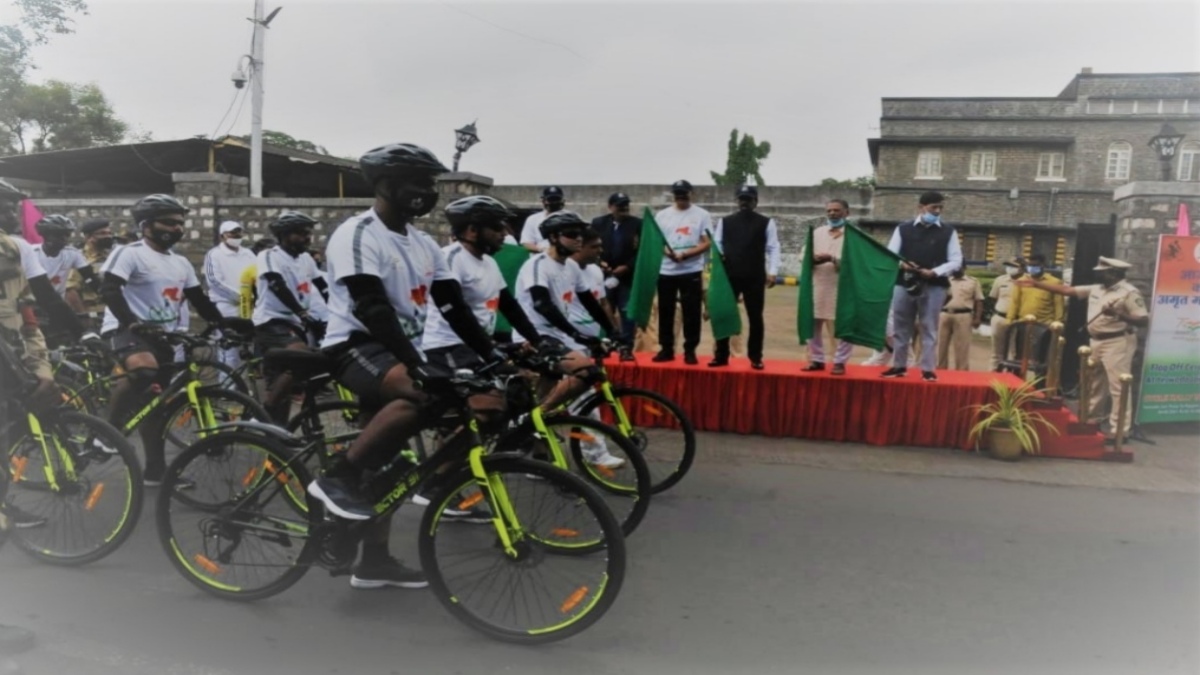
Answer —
983 165
1123 107
975 248
1189 161
1119 154
929 164
1051 165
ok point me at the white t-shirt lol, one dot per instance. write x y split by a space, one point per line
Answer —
682 230
154 284
31 262
530 233
58 268
564 279
298 273
408 264
223 268
582 319
481 283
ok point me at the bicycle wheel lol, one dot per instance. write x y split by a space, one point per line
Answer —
625 488
94 501
250 541
218 374
538 595
658 428
183 428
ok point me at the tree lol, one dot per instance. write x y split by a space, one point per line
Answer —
860 183
288 141
745 158
62 116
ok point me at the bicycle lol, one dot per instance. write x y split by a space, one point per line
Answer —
252 541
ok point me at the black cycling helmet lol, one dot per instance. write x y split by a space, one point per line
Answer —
55 224
558 222
398 160
154 206
290 221
479 210
9 193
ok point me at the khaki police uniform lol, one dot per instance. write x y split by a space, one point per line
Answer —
1113 341
17 327
954 323
1002 290
93 304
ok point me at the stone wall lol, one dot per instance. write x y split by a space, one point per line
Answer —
1146 210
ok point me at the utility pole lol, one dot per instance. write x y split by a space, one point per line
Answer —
256 101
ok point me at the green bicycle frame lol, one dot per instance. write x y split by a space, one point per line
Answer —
201 407
35 430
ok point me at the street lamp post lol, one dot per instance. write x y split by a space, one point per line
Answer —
464 139
1165 144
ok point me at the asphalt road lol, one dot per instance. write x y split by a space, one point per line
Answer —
744 568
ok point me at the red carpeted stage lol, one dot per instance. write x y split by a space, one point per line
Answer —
858 407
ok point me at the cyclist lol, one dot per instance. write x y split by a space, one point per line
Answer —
382 271
223 267
546 286
290 310
145 286
97 244
59 259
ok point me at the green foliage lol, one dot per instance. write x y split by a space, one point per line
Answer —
60 116
744 159
1011 411
860 183
288 141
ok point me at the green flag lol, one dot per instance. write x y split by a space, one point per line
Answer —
866 278
645 271
510 258
722 305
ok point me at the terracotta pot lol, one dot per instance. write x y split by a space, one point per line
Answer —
1004 445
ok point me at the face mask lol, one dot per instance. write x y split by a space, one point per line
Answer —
551 207
413 201
103 243
1011 271
837 223
234 243
1035 270
166 238
929 218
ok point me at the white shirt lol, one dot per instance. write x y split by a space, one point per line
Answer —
31 262
58 269
954 255
298 273
408 264
564 279
154 284
593 278
682 230
773 248
223 269
530 234
481 283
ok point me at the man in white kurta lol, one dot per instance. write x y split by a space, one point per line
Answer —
828 238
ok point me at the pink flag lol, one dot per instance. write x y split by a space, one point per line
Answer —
30 215
1183 226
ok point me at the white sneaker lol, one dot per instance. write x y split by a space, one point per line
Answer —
605 460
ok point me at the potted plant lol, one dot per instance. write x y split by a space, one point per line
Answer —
1006 426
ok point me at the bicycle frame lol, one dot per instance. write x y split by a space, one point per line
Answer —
202 408
64 457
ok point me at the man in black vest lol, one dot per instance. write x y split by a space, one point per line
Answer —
930 253
619 232
743 237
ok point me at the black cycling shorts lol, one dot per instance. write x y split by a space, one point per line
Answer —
361 368
125 343
278 334
455 357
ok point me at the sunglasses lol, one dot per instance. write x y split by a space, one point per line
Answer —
169 223
571 234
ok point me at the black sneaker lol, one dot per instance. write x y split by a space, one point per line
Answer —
718 362
894 372
389 573
341 498
929 376
627 354
23 520
690 358
663 356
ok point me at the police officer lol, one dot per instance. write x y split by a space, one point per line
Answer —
1001 294
1115 309
553 201
619 234
97 244
962 313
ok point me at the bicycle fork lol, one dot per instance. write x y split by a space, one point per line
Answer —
504 517
39 436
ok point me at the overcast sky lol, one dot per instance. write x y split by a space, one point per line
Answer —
572 92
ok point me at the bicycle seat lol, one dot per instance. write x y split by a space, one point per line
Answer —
303 363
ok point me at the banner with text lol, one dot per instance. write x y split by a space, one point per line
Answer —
1171 374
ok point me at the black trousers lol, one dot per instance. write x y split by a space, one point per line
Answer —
688 288
752 291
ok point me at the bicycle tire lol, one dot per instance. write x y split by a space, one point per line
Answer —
668 466
627 494
591 596
192 537
228 377
179 414
108 498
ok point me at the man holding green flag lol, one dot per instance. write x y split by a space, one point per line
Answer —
742 237
685 229
866 275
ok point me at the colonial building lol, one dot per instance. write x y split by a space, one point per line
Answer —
1034 174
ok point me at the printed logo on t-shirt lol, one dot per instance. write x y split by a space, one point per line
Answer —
55 280
568 296
493 304
686 230
174 294
419 295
